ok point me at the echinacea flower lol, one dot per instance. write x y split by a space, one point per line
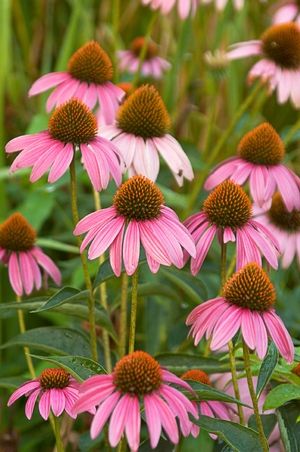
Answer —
88 78
246 305
184 7
279 47
55 389
223 383
72 126
23 258
287 13
141 134
211 408
137 381
227 213
138 216
221 4
259 161
153 65
285 226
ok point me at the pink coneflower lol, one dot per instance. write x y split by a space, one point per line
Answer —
56 390
287 13
137 216
259 160
279 48
223 383
285 226
227 213
23 258
153 65
88 78
246 304
184 7
136 380
211 408
221 4
72 126
141 134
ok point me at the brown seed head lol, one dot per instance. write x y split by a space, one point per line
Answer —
73 122
137 45
196 375
54 378
228 205
138 199
281 44
250 288
16 234
91 64
262 146
144 114
137 373
281 217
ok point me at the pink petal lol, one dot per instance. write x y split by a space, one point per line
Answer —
30 404
93 219
25 389
44 405
167 418
131 247
105 237
26 272
226 327
103 413
118 420
133 424
47 81
248 328
202 249
14 274
115 253
57 401
47 264
61 163
261 337
153 420
221 173
279 335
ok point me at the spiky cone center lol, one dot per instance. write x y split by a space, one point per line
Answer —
54 378
16 234
91 64
73 122
296 370
196 375
250 288
280 217
137 373
137 45
144 114
262 146
228 206
281 44
138 199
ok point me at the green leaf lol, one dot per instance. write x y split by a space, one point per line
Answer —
105 271
80 367
268 420
181 362
238 437
56 245
192 287
11 382
63 295
207 392
266 369
281 394
289 427
45 202
64 341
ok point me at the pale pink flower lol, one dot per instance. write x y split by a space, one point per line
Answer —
23 258
138 216
72 127
141 134
246 305
137 380
287 13
152 66
185 7
88 78
55 389
211 408
223 383
227 213
279 66
285 226
259 161
221 4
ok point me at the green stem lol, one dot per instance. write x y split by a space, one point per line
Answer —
91 298
123 315
235 381
115 28
58 439
223 263
143 51
260 428
291 133
221 142
134 298
103 300
22 327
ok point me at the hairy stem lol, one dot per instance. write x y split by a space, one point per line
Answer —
134 294
22 327
123 315
235 381
58 439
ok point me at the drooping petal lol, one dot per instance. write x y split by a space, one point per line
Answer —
279 335
44 405
133 424
14 274
47 264
30 404
118 420
26 388
103 413
57 401
131 247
